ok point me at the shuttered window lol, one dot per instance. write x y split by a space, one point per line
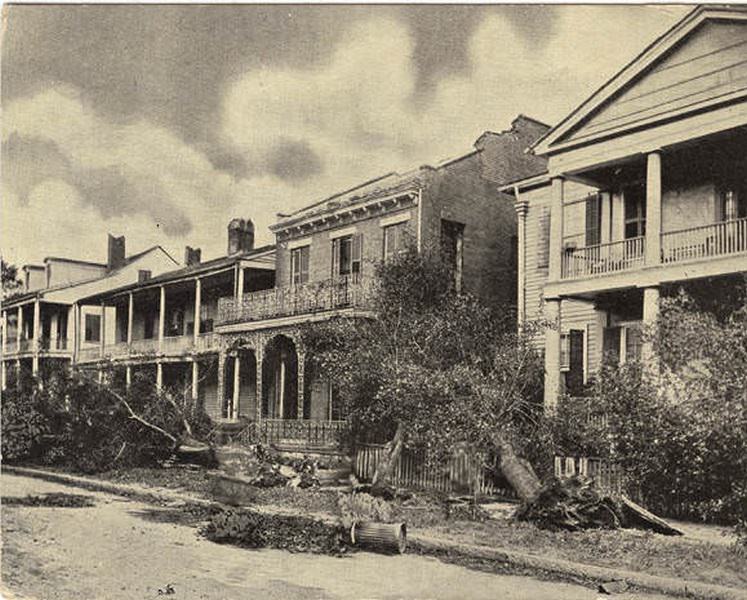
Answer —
575 376
611 345
93 328
347 255
593 220
543 239
300 265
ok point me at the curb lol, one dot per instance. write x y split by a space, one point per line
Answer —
428 545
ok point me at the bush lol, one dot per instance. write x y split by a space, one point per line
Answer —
358 507
24 422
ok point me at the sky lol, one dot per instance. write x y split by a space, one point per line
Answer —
163 122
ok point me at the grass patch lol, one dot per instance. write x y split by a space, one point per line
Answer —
51 500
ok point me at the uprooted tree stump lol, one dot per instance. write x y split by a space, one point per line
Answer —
575 504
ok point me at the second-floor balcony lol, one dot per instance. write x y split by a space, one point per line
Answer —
309 298
704 242
170 346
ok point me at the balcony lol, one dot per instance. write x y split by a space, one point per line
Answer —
603 259
11 346
309 298
205 342
54 344
700 243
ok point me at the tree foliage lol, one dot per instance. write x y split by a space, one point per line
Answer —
441 364
11 284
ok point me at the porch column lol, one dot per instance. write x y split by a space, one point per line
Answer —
239 281
102 330
198 305
221 384
128 376
650 317
130 317
552 353
653 208
54 330
281 387
161 317
259 357
195 380
76 331
19 331
300 381
159 375
236 385
556 229
3 375
5 331
522 207
37 338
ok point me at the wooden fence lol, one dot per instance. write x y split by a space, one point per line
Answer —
608 478
412 471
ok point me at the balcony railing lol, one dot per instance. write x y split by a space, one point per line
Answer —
89 353
144 346
59 343
11 345
205 341
706 241
177 344
27 345
603 259
344 292
116 350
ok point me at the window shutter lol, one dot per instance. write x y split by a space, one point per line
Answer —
543 239
356 253
611 345
575 377
305 252
336 257
593 220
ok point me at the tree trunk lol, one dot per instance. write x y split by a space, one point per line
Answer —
517 471
384 469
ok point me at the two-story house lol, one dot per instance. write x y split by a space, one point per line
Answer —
325 256
45 323
645 192
163 327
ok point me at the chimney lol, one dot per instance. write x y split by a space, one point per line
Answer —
192 256
240 236
116 253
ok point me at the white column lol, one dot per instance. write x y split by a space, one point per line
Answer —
650 317
195 380
102 330
522 207
19 331
281 387
552 353
37 338
130 317
54 329
653 208
236 385
5 332
239 281
556 228
198 306
161 317
3 376
128 376
159 375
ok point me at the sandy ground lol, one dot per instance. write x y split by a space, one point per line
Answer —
116 550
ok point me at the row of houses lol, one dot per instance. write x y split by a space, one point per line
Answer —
640 190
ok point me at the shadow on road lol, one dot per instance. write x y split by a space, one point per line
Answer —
51 500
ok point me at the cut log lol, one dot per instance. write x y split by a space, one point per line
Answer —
637 516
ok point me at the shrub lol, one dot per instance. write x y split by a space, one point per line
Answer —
24 422
357 507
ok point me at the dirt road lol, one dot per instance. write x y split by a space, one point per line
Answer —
118 549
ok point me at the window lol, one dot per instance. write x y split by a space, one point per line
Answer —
633 342
565 352
143 275
452 249
623 343
299 265
543 239
635 212
593 219
395 237
93 328
732 204
346 255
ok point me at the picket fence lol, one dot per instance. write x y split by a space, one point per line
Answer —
607 477
413 471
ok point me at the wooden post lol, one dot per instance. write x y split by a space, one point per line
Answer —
195 380
130 317
239 281
159 375
221 384
259 356
552 352
522 207
128 376
281 386
300 382
161 317
556 229
198 306
5 332
653 208
102 329
37 338
19 331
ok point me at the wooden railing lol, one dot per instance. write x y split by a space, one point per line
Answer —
11 345
343 292
205 341
144 346
27 345
118 349
603 259
608 477
89 353
176 344
300 430
706 241
59 343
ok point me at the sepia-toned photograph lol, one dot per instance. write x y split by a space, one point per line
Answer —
373 301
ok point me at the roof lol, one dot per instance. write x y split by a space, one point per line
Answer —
662 44
189 271
74 261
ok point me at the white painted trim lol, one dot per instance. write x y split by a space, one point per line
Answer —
338 233
299 243
395 219
420 220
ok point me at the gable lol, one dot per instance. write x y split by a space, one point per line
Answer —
707 67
